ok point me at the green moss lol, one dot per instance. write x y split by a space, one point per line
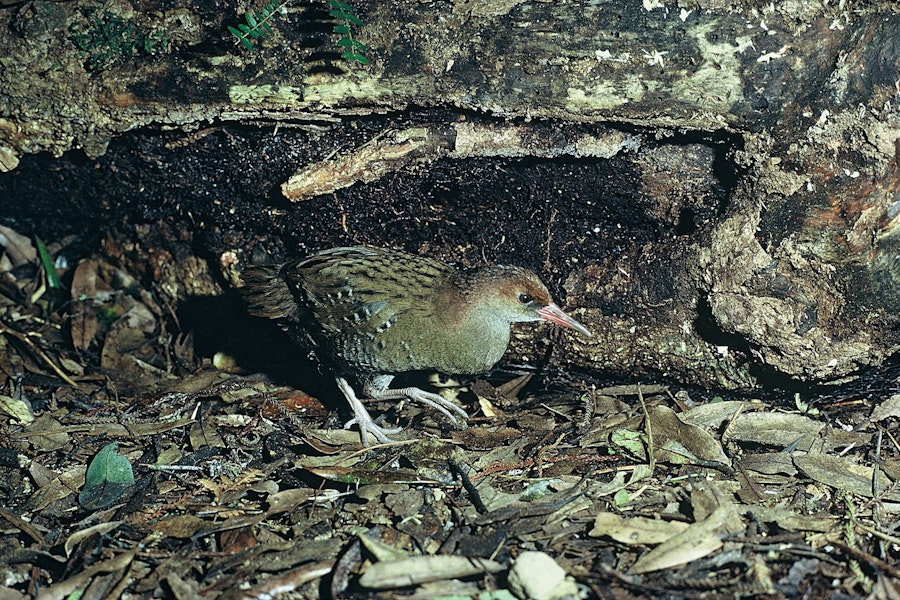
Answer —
105 38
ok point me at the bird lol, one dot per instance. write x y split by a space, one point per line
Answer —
373 313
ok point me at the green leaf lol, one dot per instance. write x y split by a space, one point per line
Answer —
629 440
17 409
355 56
342 6
235 32
246 43
244 28
251 18
108 465
47 262
349 43
345 16
343 29
108 477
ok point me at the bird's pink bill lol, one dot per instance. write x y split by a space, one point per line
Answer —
555 314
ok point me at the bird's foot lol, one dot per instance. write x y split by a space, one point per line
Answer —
435 401
363 419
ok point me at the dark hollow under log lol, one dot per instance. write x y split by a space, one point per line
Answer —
748 152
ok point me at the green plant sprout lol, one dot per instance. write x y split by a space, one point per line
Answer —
105 38
53 281
354 49
257 26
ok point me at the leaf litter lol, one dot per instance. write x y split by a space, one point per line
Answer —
220 483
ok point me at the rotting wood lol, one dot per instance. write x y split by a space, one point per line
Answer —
799 274
396 149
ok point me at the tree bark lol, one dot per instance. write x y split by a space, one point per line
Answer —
798 273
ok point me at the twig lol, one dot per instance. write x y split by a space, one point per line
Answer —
24 339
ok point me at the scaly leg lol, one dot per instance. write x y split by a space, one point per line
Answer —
377 388
362 417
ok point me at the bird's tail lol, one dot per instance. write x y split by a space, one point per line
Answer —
267 294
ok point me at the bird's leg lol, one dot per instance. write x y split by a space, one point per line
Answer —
362 418
378 389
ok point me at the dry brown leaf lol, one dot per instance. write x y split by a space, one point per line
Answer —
405 504
40 474
80 580
65 484
288 500
708 495
422 569
635 530
130 338
71 366
678 442
181 526
792 521
182 589
619 481
205 435
844 473
770 463
888 408
18 248
89 294
537 576
20 410
382 552
285 554
775 429
289 581
697 541
83 534
50 434
24 526
713 414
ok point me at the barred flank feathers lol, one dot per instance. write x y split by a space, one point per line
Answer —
267 294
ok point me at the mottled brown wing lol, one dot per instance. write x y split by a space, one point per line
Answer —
364 302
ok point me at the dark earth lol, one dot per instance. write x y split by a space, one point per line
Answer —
245 485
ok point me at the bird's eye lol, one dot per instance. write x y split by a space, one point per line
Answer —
525 298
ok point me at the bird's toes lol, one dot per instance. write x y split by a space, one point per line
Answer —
435 401
369 426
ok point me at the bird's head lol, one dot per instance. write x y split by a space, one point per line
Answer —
514 294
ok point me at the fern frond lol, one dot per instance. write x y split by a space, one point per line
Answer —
347 42
355 56
258 23
347 15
